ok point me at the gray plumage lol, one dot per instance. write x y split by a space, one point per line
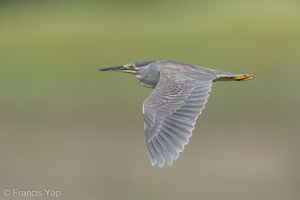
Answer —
170 112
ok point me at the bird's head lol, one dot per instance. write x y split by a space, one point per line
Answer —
131 68
145 71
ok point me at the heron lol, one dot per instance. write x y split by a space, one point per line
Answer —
180 93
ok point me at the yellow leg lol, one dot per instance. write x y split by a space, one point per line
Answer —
239 77
243 77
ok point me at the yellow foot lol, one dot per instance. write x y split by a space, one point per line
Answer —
243 77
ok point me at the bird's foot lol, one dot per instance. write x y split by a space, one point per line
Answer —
242 77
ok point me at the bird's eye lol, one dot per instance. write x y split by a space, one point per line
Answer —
131 66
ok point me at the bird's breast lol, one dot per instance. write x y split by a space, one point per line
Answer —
148 80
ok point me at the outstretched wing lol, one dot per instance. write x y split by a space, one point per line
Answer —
170 113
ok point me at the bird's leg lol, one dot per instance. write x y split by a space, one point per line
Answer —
239 77
243 77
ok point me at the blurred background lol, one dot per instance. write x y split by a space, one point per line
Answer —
66 126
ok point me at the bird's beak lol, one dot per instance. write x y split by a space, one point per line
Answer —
117 68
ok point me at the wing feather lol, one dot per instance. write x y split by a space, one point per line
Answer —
170 114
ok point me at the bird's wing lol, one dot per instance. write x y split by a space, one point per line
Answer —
170 113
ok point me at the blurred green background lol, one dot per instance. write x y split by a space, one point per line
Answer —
66 126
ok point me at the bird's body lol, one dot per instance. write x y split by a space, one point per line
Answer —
170 112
